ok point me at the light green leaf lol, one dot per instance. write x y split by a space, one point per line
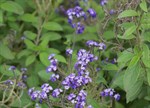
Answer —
23 53
29 18
44 58
126 37
60 58
146 55
129 31
30 35
110 67
134 60
30 60
143 6
30 44
51 36
132 82
148 76
53 26
44 75
128 13
11 6
6 52
1 16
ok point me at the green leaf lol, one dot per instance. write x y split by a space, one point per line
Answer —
148 76
110 67
11 6
44 75
132 82
128 13
23 53
143 5
44 58
29 18
33 81
51 36
1 16
126 37
125 56
146 55
30 35
4 69
30 44
5 52
130 30
30 60
53 26
134 60
60 58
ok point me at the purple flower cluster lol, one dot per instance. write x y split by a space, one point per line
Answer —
56 92
21 85
54 77
78 13
12 68
40 95
69 52
111 93
84 57
53 66
9 82
73 81
79 100
100 46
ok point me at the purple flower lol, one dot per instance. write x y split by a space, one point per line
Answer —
12 68
71 97
69 51
92 12
21 85
101 46
24 77
103 2
56 92
117 97
51 56
35 95
30 91
24 70
54 77
46 88
111 12
79 28
9 82
43 95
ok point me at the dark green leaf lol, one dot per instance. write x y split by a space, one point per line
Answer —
110 67
1 16
33 81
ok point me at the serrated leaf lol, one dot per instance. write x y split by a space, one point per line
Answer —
30 60
143 6
6 52
53 26
29 18
30 35
11 6
44 58
128 13
60 58
45 76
